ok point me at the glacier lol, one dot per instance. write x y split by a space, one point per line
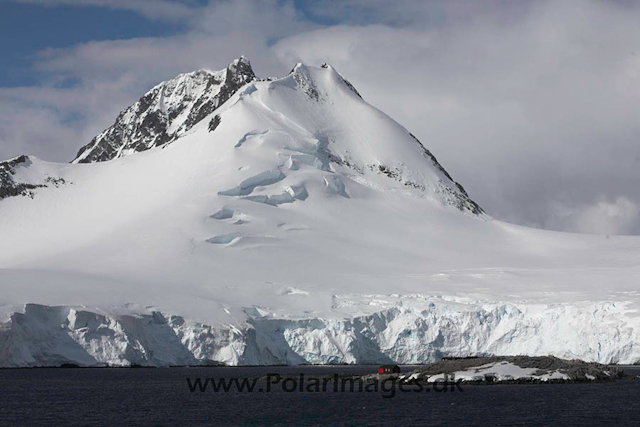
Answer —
229 219
46 336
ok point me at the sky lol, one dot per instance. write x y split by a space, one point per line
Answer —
532 106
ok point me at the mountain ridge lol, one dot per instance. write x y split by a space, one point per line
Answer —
173 107
157 118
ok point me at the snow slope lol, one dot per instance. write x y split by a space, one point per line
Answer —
292 223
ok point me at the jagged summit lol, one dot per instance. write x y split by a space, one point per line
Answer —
167 111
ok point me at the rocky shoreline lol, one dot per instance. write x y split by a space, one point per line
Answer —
513 369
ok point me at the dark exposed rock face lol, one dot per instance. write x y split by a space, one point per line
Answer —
214 123
9 187
166 111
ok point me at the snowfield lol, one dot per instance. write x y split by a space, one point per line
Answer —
289 223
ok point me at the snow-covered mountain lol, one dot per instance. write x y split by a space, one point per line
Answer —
230 219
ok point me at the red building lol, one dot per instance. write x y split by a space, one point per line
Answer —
389 369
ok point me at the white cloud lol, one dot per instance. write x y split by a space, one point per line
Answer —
154 9
621 216
52 123
268 19
417 13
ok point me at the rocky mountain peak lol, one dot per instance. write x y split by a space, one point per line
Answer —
167 111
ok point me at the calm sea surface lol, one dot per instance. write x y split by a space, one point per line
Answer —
162 397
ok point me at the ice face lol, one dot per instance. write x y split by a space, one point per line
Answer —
407 335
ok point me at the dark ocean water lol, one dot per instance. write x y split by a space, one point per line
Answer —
162 397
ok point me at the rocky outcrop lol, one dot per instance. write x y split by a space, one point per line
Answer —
167 111
8 186
11 185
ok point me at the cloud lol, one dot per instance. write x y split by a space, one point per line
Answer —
621 216
52 123
153 9
220 32
415 13
269 19
148 60
532 106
